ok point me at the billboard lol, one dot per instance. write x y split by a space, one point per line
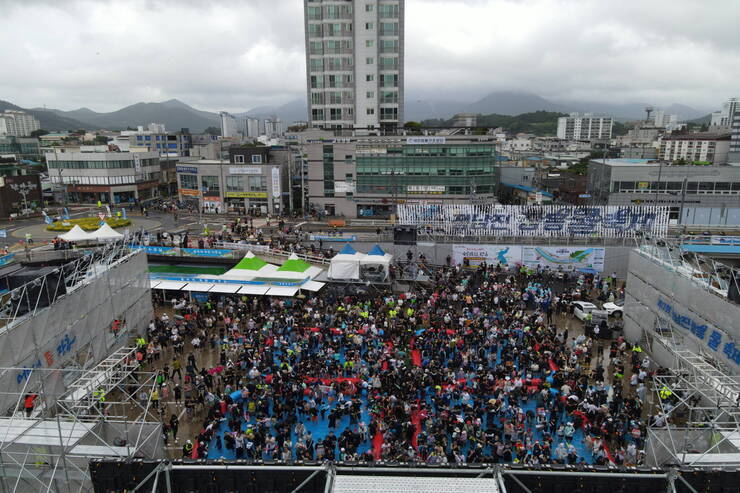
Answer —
569 258
536 220
506 255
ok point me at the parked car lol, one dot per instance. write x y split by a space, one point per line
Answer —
615 309
582 308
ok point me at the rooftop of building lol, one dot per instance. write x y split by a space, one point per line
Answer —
699 136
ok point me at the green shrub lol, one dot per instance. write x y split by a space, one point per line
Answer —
87 223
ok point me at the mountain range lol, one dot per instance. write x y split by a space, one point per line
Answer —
177 115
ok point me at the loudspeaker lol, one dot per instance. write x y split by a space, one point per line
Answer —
404 235
733 294
43 286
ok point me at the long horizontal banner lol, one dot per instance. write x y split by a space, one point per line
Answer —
185 252
567 258
536 220
332 238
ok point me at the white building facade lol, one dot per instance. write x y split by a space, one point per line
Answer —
229 127
354 60
586 127
18 123
703 147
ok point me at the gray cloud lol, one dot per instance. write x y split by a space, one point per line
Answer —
223 54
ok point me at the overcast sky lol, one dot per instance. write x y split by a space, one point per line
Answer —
238 54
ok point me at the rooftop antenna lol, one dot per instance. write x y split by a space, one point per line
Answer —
648 110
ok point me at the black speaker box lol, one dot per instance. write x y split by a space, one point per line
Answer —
404 235
43 286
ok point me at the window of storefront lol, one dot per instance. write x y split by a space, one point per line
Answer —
211 183
234 183
257 183
189 182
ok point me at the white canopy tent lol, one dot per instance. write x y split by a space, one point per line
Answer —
76 234
346 264
375 266
105 232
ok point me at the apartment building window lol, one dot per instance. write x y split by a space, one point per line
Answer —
332 11
388 97
314 30
368 7
317 114
315 48
335 114
369 43
316 65
369 77
332 47
389 80
388 63
369 60
256 158
389 113
389 29
388 11
369 94
314 13
317 98
370 111
368 26
239 159
332 81
333 63
389 46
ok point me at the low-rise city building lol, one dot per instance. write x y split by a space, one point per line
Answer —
109 177
704 147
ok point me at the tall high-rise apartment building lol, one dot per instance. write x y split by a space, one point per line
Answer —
18 123
586 127
354 61
229 127
734 155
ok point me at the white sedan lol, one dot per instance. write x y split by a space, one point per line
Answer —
615 309
583 308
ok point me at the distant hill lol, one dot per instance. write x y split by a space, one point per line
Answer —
289 112
173 113
48 119
704 120
535 122
517 102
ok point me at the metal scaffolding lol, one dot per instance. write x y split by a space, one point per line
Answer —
699 421
47 447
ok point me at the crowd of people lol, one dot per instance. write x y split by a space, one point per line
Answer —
482 365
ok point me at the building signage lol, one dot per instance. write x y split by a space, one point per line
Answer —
425 189
189 193
276 182
245 170
187 169
137 163
710 336
246 195
344 187
425 140
536 220
475 255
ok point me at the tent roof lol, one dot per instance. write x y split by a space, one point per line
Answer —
376 251
77 234
250 262
294 264
347 250
105 232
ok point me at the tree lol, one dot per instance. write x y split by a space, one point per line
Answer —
212 131
39 132
580 168
101 139
411 125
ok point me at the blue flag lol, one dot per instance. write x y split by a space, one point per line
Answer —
47 219
66 214
124 212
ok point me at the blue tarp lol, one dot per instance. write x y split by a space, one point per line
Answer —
347 250
527 189
376 251
711 248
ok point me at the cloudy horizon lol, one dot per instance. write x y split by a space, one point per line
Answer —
235 55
